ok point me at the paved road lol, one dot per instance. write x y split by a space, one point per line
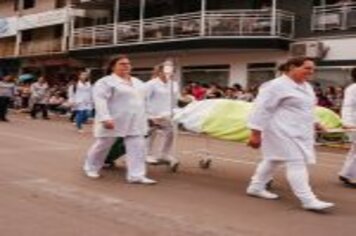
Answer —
44 193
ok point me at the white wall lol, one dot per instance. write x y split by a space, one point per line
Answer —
237 59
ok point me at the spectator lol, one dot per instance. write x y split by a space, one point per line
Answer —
186 97
39 98
198 91
7 92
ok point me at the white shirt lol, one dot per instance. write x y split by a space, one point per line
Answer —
348 109
39 93
115 99
81 97
159 97
284 112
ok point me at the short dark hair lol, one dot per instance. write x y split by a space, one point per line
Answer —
112 63
296 62
353 74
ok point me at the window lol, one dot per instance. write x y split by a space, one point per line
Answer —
29 4
27 35
218 74
258 73
143 74
332 76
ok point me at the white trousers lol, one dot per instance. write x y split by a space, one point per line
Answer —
349 168
135 155
297 176
161 150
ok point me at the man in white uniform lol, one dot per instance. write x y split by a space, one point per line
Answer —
161 98
348 113
120 112
283 124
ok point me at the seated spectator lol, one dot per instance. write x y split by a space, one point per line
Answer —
57 104
185 98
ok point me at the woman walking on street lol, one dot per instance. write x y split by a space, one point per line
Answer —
161 97
283 125
348 113
80 97
120 112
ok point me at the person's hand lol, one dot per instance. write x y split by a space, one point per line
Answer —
109 124
255 140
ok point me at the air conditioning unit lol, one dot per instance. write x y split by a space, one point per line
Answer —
312 49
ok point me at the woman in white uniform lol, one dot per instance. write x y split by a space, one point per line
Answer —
80 97
283 124
161 98
348 113
120 112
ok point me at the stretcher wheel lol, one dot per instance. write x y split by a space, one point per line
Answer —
205 164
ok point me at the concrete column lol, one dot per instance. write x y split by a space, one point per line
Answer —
238 74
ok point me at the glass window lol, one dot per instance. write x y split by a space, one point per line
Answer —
218 74
143 74
258 73
339 76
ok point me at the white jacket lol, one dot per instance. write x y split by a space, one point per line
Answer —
284 112
161 97
81 96
348 110
117 100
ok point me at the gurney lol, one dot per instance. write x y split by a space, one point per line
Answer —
226 120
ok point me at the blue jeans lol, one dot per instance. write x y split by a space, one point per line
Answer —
81 118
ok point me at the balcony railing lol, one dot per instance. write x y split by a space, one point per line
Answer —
7 48
38 47
334 17
221 24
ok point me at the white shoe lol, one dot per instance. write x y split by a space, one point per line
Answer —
265 194
141 180
92 174
317 205
151 160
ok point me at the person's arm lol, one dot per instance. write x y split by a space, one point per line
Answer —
265 106
101 95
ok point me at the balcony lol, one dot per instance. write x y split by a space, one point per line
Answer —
334 17
41 47
229 24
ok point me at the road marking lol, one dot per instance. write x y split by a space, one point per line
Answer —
38 140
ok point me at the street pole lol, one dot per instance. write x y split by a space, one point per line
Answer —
116 19
142 16
274 18
202 17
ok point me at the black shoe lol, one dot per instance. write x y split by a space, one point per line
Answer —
109 165
46 118
4 120
347 182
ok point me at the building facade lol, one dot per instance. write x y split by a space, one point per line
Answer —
221 41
